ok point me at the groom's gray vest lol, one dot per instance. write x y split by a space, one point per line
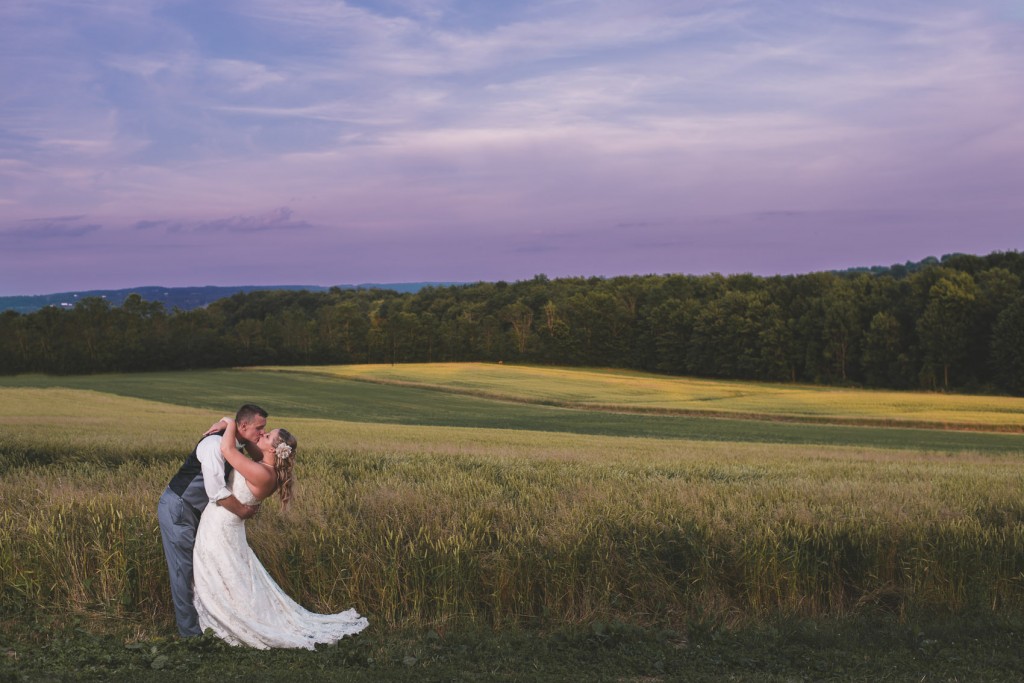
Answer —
188 482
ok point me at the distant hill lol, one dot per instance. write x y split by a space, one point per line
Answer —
188 298
184 298
898 270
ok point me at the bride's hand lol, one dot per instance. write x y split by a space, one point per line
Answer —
218 426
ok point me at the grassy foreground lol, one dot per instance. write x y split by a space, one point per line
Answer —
858 650
497 554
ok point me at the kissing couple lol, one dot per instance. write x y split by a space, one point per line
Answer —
217 582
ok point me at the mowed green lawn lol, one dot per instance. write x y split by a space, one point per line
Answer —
316 393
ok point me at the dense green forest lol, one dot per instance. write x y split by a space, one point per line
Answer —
950 324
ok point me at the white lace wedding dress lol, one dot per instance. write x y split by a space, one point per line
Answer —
237 598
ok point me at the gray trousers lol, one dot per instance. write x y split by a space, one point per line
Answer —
178 524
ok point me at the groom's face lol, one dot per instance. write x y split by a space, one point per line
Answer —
252 430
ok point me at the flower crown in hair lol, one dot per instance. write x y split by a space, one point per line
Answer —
283 451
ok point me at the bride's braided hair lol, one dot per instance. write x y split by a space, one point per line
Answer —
285 446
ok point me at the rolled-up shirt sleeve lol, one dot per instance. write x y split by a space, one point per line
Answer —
208 452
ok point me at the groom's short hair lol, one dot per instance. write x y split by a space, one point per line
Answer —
249 412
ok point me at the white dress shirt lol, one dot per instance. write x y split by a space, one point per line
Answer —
212 461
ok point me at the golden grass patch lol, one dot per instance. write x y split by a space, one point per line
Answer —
627 390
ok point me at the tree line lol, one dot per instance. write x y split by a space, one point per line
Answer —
950 324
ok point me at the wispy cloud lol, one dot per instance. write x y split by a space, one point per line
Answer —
279 219
159 225
60 228
243 76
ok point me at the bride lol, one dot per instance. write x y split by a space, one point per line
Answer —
234 594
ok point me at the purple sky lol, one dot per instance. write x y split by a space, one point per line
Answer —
260 142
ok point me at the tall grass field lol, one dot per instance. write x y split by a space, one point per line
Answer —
433 526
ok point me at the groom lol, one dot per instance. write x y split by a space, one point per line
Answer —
201 480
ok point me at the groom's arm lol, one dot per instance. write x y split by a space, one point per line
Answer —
212 463
239 509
